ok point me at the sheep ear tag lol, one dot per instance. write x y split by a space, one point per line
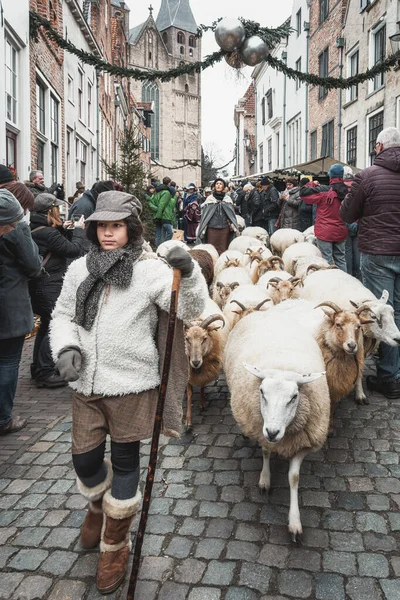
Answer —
254 370
309 378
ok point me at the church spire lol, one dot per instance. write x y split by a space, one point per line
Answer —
176 13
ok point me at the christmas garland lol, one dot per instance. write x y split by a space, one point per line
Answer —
270 36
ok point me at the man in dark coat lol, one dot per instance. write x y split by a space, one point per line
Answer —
36 186
270 204
19 261
374 201
86 204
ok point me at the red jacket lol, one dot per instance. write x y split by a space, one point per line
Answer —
328 227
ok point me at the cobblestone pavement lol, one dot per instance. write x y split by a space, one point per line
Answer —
211 534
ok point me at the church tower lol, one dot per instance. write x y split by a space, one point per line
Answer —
176 125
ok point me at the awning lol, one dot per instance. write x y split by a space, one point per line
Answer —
319 165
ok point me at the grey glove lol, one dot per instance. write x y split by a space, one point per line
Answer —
180 259
69 364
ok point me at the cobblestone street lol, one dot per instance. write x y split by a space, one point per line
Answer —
211 535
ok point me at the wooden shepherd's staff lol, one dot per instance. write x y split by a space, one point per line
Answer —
156 435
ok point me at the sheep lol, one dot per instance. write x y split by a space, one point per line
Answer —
283 238
250 296
294 252
309 231
226 260
241 223
243 242
261 266
259 233
165 247
280 290
228 280
264 279
205 340
204 259
210 249
253 254
279 395
301 265
345 290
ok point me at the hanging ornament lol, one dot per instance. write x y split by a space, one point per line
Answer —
234 59
230 34
254 50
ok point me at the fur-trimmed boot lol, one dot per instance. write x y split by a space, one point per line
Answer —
115 542
91 526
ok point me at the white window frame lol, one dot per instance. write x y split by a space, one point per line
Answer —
372 35
15 109
368 118
70 89
46 138
81 95
350 56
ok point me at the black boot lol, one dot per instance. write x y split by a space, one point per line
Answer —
54 381
389 389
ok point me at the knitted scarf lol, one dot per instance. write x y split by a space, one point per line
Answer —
106 267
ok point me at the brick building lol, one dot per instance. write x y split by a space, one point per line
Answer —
47 96
162 44
326 20
244 116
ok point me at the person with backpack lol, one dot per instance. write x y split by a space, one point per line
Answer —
330 231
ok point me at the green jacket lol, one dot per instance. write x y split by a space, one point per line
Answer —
163 205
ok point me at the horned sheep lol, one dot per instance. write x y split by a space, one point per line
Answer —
259 233
294 252
279 394
243 242
228 259
283 238
226 281
249 296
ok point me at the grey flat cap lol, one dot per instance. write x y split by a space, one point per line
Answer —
10 209
43 202
115 206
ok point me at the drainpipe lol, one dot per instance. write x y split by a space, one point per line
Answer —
284 58
98 125
340 45
255 130
306 27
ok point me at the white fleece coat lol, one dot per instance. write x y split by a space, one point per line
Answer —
119 353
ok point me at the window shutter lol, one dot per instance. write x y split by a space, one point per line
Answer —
363 4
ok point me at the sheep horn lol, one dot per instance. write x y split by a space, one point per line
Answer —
256 257
262 303
276 259
234 285
242 306
227 259
363 308
210 320
248 251
219 284
295 280
331 305
354 304
275 280
313 267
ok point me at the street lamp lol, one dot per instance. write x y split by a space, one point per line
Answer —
395 44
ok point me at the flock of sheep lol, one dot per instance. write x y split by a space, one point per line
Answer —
291 333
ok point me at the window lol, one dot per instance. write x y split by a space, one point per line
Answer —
151 93
89 104
375 126
261 157
298 22
379 41
81 156
11 82
192 42
323 10
298 68
40 156
269 103
186 88
80 94
351 146
40 108
263 119
313 144
294 141
190 51
182 50
323 62
54 120
11 149
180 38
70 89
354 61
269 154
165 37
327 139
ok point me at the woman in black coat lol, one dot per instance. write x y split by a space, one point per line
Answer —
56 246
19 261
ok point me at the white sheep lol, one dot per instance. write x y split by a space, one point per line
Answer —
283 238
243 242
210 249
349 293
228 280
259 266
309 231
165 247
249 296
279 394
259 233
264 279
226 258
241 223
302 264
294 252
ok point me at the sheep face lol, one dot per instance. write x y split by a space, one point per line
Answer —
232 262
263 267
224 291
199 341
279 399
283 290
382 325
344 331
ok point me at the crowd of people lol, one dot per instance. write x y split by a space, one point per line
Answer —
92 277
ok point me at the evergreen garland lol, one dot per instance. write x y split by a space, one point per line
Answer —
270 36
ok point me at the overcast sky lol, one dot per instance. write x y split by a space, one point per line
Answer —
222 86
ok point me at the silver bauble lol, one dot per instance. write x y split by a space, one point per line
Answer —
230 34
234 59
254 50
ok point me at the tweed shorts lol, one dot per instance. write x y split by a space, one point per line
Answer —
126 419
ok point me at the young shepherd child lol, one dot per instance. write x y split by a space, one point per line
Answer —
106 325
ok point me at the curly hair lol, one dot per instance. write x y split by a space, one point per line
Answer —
133 223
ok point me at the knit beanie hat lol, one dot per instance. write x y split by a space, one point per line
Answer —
10 208
336 172
265 181
5 174
219 179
